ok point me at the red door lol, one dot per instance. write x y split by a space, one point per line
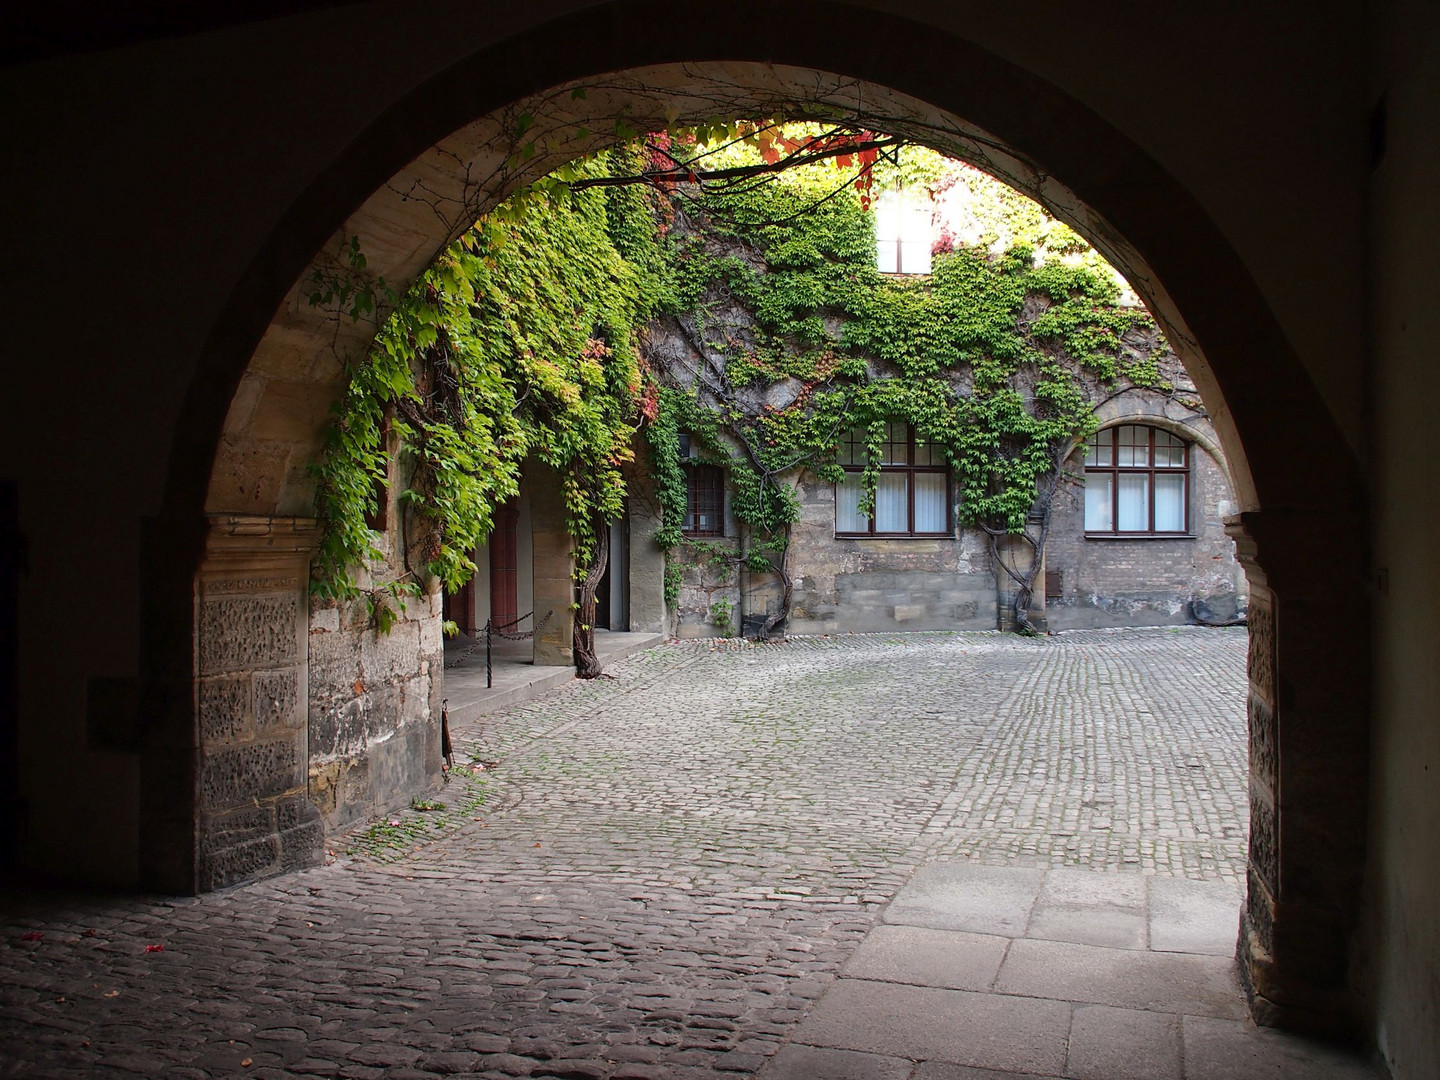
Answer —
460 607
504 569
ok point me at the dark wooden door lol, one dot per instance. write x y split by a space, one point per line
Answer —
504 569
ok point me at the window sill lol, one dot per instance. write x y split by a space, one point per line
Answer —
894 536
1141 536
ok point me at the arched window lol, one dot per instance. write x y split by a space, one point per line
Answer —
1137 483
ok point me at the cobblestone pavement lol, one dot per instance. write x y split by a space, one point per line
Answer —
655 874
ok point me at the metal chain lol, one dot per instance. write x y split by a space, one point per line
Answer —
484 633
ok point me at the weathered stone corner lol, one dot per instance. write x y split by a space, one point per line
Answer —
251 689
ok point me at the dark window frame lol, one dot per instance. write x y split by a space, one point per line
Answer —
910 469
704 482
1115 470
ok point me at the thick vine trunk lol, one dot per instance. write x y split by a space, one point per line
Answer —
1025 581
587 664
787 597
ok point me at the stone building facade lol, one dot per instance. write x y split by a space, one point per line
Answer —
1172 564
848 584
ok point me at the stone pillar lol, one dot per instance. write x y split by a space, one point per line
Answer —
251 694
1309 734
554 567
647 562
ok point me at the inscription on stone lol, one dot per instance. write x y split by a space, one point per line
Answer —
250 585
237 633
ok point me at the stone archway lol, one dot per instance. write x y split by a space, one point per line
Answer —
233 545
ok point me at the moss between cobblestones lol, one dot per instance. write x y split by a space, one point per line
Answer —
402 831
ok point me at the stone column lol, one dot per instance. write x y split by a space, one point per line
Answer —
251 694
1309 734
554 567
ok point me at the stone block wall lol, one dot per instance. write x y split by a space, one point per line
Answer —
845 585
374 708
848 585
1143 582
253 816
375 696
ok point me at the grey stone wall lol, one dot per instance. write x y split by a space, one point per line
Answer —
253 817
1144 582
845 585
374 702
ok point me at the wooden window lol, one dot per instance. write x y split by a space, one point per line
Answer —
912 494
1137 483
904 234
704 501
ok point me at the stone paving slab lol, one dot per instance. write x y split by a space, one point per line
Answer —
1236 1050
1167 982
959 896
1121 1012
799 1062
921 1022
1123 1044
1194 917
925 957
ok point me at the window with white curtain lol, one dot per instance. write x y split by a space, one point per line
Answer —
904 232
912 492
1137 483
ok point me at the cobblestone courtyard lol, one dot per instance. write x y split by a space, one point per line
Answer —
655 874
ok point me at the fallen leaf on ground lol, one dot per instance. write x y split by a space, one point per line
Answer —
33 935
154 948
112 993
89 933
244 1063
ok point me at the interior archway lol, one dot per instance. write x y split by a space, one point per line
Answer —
427 168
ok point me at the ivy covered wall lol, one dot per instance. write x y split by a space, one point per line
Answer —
784 337
691 287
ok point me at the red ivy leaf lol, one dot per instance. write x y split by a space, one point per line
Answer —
33 935
154 948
